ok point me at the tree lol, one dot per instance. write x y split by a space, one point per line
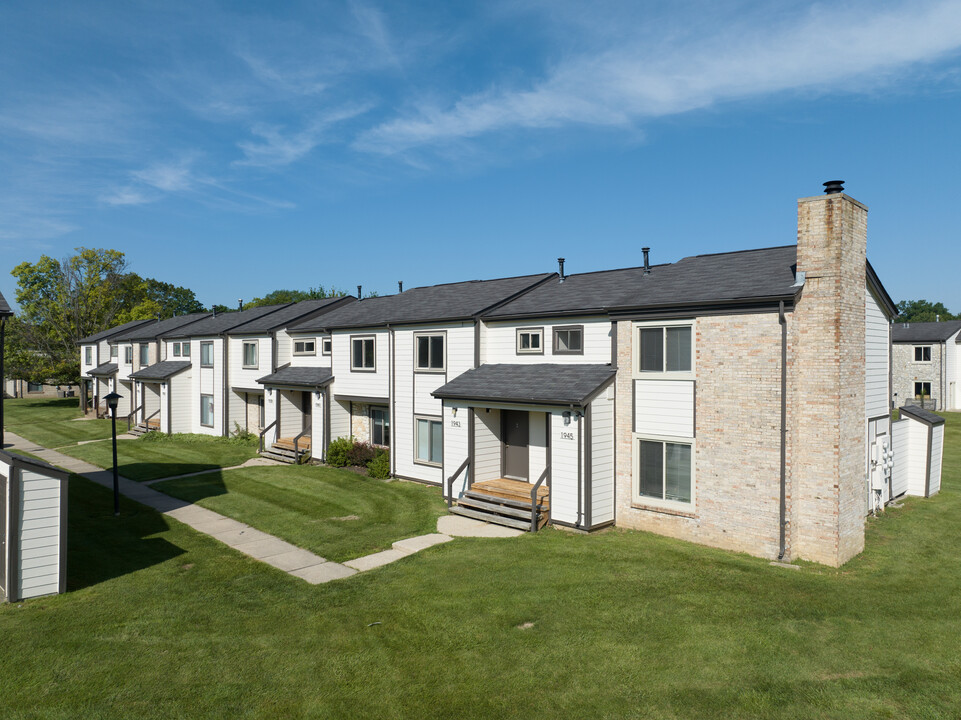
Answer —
923 311
279 297
149 298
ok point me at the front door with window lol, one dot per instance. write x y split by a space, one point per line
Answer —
516 438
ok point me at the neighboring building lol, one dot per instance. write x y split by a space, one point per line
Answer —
98 366
926 364
24 388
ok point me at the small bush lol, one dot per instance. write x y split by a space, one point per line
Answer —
362 453
338 452
244 435
379 467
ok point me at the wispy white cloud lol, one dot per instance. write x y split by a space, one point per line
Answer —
168 177
373 26
823 48
127 196
277 147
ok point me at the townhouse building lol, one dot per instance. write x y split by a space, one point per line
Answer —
99 364
926 364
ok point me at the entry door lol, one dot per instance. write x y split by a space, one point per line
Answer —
516 436
304 410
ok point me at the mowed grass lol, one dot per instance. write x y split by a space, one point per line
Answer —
157 455
52 422
162 622
337 514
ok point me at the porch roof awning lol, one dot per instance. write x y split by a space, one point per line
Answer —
542 384
105 370
161 370
309 377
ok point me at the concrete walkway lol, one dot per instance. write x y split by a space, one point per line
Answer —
250 541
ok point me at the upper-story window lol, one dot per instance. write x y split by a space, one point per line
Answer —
207 354
185 348
128 354
569 340
429 352
326 345
530 341
362 354
144 354
922 353
175 349
250 354
88 355
113 352
664 349
305 347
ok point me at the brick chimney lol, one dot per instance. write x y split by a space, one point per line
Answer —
828 442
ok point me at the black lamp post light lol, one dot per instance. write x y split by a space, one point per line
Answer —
112 399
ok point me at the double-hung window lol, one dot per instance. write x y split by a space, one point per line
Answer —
113 352
207 354
429 352
144 354
88 355
530 341
430 441
128 354
325 346
176 349
305 347
380 426
664 349
569 340
250 354
207 410
664 471
185 348
922 353
362 354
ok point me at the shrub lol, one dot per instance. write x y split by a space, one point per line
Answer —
338 452
379 467
362 453
244 435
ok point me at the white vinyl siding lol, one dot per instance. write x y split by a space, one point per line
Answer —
901 472
291 415
487 444
208 381
242 377
876 355
937 450
39 532
366 383
565 441
602 458
180 386
456 430
499 341
339 419
284 348
664 408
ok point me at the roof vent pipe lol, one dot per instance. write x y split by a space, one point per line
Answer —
560 265
240 303
833 187
647 260
359 296
400 286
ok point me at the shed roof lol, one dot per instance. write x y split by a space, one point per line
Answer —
433 303
110 332
220 324
311 377
158 328
35 464
104 370
289 315
161 370
5 310
925 416
902 332
541 384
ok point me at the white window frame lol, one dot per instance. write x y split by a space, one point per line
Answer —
207 344
922 348
243 354
636 371
114 351
326 345
304 351
646 502
431 420
373 353
128 354
202 423
443 360
533 331
88 355
568 329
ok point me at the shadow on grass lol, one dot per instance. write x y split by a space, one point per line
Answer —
100 546
148 471
192 489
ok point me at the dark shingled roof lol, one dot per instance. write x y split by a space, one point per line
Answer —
105 370
5 310
287 316
110 332
924 331
312 377
925 416
158 328
161 370
434 303
546 383
217 325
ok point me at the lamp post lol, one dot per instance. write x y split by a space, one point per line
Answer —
112 399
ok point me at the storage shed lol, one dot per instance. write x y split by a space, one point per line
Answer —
918 446
33 528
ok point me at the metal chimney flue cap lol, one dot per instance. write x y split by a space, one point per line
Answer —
833 187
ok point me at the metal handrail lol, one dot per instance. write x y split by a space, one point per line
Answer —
147 419
450 481
130 416
534 490
303 432
264 432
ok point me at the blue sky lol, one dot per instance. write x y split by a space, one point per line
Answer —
236 148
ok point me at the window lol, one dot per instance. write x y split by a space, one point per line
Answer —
664 471
144 354
922 389
176 349
664 349
33 387
206 354
305 347
325 346
362 354
429 353
250 354
430 441
113 352
569 340
922 353
206 408
128 354
185 348
530 341
88 355
379 426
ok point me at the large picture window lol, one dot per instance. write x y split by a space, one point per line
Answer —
664 471
206 354
664 349
362 354
250 354
380 426
207 410
430 441
429 353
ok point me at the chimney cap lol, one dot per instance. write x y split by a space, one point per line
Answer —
832 187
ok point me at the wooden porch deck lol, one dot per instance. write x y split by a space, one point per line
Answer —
505 502
288 443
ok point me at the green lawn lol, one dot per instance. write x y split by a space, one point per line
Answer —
53 422
337 514
156 455
161 622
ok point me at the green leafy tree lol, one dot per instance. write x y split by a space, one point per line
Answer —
279 297
923 311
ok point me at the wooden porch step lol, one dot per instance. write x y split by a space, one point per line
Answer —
506 502
491 518
503 508
288 443
516 490
153 424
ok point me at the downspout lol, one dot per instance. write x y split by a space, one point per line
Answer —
580 477
782 546
390 394
225 398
